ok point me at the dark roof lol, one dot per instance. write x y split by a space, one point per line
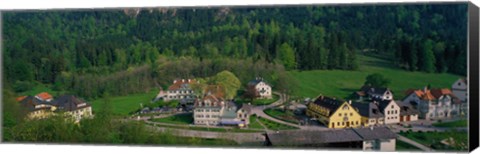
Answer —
308 137
372 133
69 103
382 104
256 81
406 108
374 90
330 103
368 110
246 107
30 102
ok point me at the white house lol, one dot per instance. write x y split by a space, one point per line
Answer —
262 89
390 109
459 89
179 90
434 103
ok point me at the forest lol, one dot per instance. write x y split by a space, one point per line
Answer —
87 52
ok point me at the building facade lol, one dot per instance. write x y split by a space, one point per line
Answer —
180 90
262 88
333 113
390 109
407 111
371 114
434 103
460 89
73 106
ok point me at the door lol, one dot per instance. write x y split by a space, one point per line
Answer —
348 124
401 118
408 118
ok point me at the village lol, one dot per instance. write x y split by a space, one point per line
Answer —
373 119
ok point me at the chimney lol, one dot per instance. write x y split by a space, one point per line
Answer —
183 80
425 89
350 102
174 81
371 128
189 80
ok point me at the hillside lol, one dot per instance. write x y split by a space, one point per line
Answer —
341 83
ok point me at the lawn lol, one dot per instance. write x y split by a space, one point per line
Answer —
433 139
177 119
342 83
274 125
254 123
124 105
281 115
259 101
402 146
458 123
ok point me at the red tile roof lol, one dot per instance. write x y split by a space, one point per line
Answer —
44 96
20 98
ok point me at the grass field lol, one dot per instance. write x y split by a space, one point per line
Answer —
123 105
259 101
177 119
275 126
432 139
254 123
342 83
459 123
281 115
402 146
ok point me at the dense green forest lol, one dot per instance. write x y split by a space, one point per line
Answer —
88 52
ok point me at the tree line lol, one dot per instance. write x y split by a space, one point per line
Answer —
43 46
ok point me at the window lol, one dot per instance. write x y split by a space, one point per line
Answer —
351 114
338 123
392 106
340 114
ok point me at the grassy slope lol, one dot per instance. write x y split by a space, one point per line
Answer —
342 83
123 105
433 138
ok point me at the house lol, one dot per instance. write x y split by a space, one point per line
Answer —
367 139
378 112
260 88
180 90
407 111
371 114
42 106
36 108
207 111
333 113
214 110
390 109
368 92
434 103
459 89
72 106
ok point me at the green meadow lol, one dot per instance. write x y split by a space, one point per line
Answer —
123 105
342 83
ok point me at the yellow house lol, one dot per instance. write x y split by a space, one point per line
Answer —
333 113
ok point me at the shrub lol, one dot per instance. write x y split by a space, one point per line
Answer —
22 86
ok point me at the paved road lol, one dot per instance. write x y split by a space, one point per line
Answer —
416 144
258 110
